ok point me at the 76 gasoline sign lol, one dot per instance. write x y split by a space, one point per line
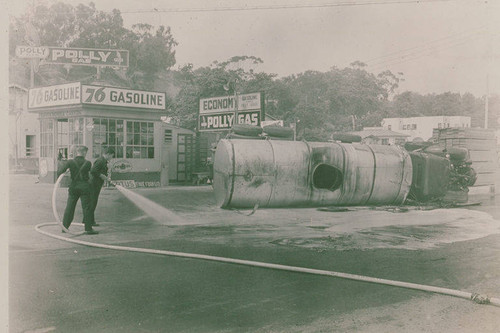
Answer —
225 121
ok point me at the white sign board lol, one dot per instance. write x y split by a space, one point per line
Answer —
123 97
249 102
39 52
227 103
225 120
88 57
62 94
265 123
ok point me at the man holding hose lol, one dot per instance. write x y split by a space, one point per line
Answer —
79 188
99 174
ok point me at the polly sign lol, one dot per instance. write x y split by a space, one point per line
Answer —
224 121
32 52
89 57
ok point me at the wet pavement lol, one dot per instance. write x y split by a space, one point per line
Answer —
57 286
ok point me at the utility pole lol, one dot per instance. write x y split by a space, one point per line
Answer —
16 145
488 66
34 40
32 73
235 103
486 102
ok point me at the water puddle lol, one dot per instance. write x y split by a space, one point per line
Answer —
361 228
157 212
411 230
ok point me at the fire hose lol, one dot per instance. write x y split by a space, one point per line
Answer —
477 298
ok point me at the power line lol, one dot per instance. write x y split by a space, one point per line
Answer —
419 54
404 55
435 41
274 7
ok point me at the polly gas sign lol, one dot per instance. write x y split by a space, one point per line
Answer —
224 121
89 57
218 113
75 56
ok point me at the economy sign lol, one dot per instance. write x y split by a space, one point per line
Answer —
227 103
123 97
62 94
88 57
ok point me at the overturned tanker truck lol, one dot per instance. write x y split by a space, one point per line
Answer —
280 173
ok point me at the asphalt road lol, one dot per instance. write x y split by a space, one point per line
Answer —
56 286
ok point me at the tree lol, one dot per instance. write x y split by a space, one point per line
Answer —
84 26
412 104
235 75
327 102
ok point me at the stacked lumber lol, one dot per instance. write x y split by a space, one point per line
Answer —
482 146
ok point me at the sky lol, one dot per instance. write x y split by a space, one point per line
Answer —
439 45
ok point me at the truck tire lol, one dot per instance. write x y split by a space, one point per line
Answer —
346 137
247 137
278 131
245 129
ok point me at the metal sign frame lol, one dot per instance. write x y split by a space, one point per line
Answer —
87 57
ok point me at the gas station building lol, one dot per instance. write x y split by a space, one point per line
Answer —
148 151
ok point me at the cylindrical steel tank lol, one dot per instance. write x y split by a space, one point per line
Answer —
275 173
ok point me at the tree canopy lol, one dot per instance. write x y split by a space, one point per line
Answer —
339 99
63 25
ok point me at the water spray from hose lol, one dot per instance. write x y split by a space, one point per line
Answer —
151 208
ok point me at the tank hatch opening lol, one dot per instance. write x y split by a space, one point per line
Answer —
328 177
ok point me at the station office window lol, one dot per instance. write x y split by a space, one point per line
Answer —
140 140
108 133
46 138
69 134
400 142
128 138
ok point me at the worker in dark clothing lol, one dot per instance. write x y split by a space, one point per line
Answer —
79 188
98 175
